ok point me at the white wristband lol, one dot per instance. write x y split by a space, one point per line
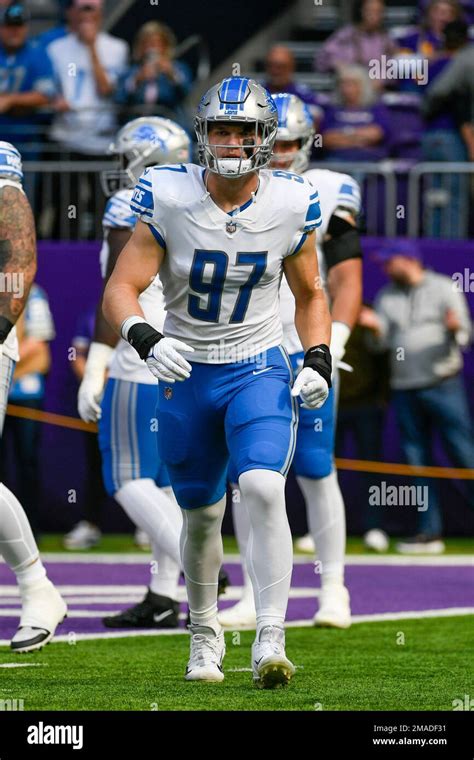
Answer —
128 323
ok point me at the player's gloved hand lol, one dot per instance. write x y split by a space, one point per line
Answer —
314 380
166 362
162 355
91 388
312 388
339 336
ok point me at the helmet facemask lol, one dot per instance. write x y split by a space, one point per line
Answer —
130 166
254 153
296 161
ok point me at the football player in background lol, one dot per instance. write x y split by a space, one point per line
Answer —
42 606
340 265
125 404
220 236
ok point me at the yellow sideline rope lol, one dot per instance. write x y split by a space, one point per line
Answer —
355 465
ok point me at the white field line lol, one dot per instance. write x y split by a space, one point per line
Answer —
13 601
23 665
299 559
381 617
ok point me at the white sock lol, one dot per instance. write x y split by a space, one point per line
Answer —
270 548
164 578
201 555
327 523
154 512
240 516
17 543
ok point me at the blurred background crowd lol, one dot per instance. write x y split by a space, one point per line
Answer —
73 71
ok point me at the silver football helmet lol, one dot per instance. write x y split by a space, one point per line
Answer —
294 123
147 141
10 162
241 101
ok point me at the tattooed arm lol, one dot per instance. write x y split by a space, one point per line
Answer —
17 252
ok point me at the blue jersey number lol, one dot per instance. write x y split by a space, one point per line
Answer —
287 175
213 288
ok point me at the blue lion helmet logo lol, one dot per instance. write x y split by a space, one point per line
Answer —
146 133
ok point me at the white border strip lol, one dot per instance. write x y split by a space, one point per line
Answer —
298 559
378 618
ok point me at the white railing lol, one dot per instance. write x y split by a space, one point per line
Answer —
434 197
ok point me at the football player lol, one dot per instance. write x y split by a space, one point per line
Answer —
42 606
221 235
340 265
126 410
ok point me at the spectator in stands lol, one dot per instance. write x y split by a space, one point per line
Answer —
466 5
279 77
357 127
363 399
363 41
454 87
442 141
26 82
156 79
424 322
428 38
87 64
21 435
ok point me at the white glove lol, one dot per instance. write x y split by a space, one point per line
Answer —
312 388
91 388
165 361
339 336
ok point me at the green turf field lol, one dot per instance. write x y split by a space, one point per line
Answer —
363 668
123 542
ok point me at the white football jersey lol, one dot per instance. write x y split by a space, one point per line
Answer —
335 191
10 345
88 126
125 364
221 271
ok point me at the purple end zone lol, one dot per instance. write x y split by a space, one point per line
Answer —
374 589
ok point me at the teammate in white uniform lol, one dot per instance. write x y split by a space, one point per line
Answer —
42 606
339 255
221 237
132 471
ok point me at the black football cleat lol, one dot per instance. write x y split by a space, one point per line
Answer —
223 582
155 611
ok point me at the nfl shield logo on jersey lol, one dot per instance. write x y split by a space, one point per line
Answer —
231 227
168 393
